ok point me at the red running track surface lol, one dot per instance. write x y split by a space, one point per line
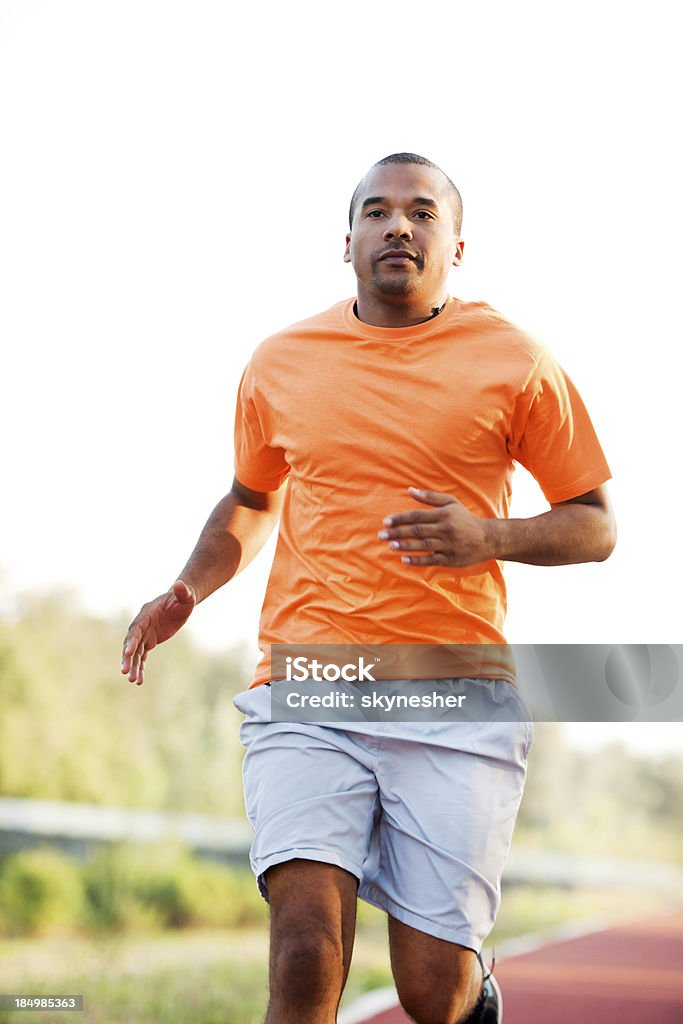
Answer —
629 974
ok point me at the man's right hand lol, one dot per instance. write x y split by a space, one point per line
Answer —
155 622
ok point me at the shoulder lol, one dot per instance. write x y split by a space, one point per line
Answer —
518 353
319 326
495 325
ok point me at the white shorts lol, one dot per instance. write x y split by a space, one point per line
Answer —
422 813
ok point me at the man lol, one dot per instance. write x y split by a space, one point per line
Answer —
336 416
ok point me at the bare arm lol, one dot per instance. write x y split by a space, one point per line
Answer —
234 533
582 529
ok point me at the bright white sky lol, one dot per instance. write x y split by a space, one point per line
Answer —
174 183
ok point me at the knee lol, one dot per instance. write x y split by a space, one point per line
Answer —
307 970
436 1004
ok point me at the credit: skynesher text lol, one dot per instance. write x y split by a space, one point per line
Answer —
375 700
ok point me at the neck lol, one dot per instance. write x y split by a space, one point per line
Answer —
404 311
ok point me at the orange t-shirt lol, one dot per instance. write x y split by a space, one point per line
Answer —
354 414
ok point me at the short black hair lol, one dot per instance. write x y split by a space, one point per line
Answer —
411 158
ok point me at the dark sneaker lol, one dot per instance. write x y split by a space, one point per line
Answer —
489 1009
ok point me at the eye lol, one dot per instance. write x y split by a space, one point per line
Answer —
372 213
423 214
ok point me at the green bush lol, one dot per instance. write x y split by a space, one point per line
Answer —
164 886
40 890
113 879
124 889
215 896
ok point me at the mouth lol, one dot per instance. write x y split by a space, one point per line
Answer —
396 256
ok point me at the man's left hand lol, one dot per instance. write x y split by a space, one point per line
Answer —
446 533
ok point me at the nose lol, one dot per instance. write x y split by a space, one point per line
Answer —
398 227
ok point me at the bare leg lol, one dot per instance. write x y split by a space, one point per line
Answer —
312 930
438 982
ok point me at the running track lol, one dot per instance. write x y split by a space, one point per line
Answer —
629 974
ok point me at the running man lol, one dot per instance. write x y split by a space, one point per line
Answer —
383 433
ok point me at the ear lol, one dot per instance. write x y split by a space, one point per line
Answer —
347 250
459 253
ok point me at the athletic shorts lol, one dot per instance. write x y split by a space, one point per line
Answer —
422 813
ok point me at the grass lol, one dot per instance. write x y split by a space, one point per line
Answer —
220 977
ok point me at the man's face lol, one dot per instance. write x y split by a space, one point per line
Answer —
405 209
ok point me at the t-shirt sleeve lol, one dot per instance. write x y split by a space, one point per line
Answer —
552 435
259 464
